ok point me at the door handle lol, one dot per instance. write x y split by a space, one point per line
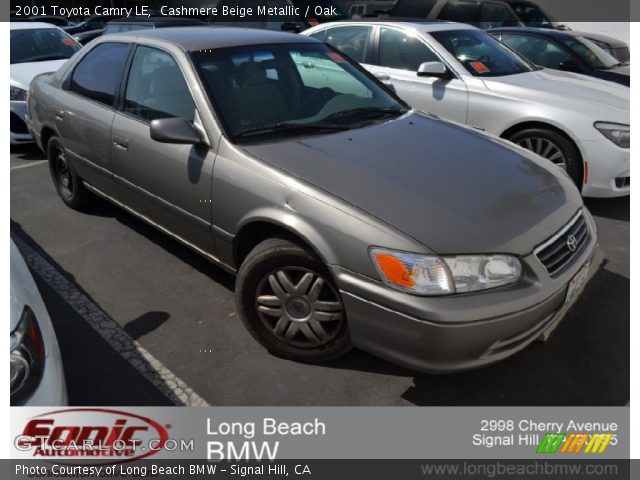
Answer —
121 143
383 77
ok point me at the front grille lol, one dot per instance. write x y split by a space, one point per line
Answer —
17 125
559 251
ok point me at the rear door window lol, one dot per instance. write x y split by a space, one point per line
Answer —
98 74
352 40
460 11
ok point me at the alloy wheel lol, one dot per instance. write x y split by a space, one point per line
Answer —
546 149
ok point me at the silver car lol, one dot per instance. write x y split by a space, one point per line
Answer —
348 218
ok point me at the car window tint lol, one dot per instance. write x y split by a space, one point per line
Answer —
456 11
352 41
537 50
496 15
98 74
319 35
402 51
156 87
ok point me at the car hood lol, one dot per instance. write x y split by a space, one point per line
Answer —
451 188
607 100
23 73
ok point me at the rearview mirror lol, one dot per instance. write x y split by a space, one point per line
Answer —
434 69
175 130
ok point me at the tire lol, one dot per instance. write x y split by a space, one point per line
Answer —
289 303
67 182
553 146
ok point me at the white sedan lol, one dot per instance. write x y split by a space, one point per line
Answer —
36 373
461 73
35 48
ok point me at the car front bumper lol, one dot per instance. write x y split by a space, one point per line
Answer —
457 332
608 169
17 125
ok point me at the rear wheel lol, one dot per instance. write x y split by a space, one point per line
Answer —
553 146
289 303
65 179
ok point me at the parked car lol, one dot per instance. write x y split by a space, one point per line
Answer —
85 37
94 22
52 19
464 74
564 50
287 21
34 48
616 48
145 23
480 13
419 240
36 371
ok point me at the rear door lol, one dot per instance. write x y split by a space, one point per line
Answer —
399 56
85 112
167 183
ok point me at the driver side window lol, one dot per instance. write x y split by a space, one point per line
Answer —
404 52
156 87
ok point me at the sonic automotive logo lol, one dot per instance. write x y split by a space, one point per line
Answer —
92 432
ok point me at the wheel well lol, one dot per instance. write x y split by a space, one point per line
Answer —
523 126
253 233
46 134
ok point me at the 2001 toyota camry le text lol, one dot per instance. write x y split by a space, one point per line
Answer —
348 218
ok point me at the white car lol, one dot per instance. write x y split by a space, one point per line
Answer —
35 48
36 373
461 73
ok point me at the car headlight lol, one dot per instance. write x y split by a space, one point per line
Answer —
18 94
26 358
616 132
433 275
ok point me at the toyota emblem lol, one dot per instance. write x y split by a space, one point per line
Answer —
572 243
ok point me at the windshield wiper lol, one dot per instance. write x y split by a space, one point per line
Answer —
291 127
366 113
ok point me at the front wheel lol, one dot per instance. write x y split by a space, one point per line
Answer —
289 303
65 179
554 147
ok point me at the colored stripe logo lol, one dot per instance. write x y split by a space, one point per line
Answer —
574 443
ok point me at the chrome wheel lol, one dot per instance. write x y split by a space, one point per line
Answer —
546 149
299 307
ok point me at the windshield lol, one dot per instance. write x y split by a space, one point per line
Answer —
481 54
590 52
531 15
41 44
278 91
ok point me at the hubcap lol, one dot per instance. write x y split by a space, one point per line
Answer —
546 149
299 307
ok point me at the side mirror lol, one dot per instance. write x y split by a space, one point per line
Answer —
434 69
569 66
290 27
175 130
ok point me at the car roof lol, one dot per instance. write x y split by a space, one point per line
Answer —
210 37
30 25
547 32
417 24
142 19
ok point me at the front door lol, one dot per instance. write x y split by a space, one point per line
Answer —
168 183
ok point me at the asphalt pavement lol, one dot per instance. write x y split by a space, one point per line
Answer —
143 320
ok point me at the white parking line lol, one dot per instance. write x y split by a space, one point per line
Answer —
150 367
30 164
